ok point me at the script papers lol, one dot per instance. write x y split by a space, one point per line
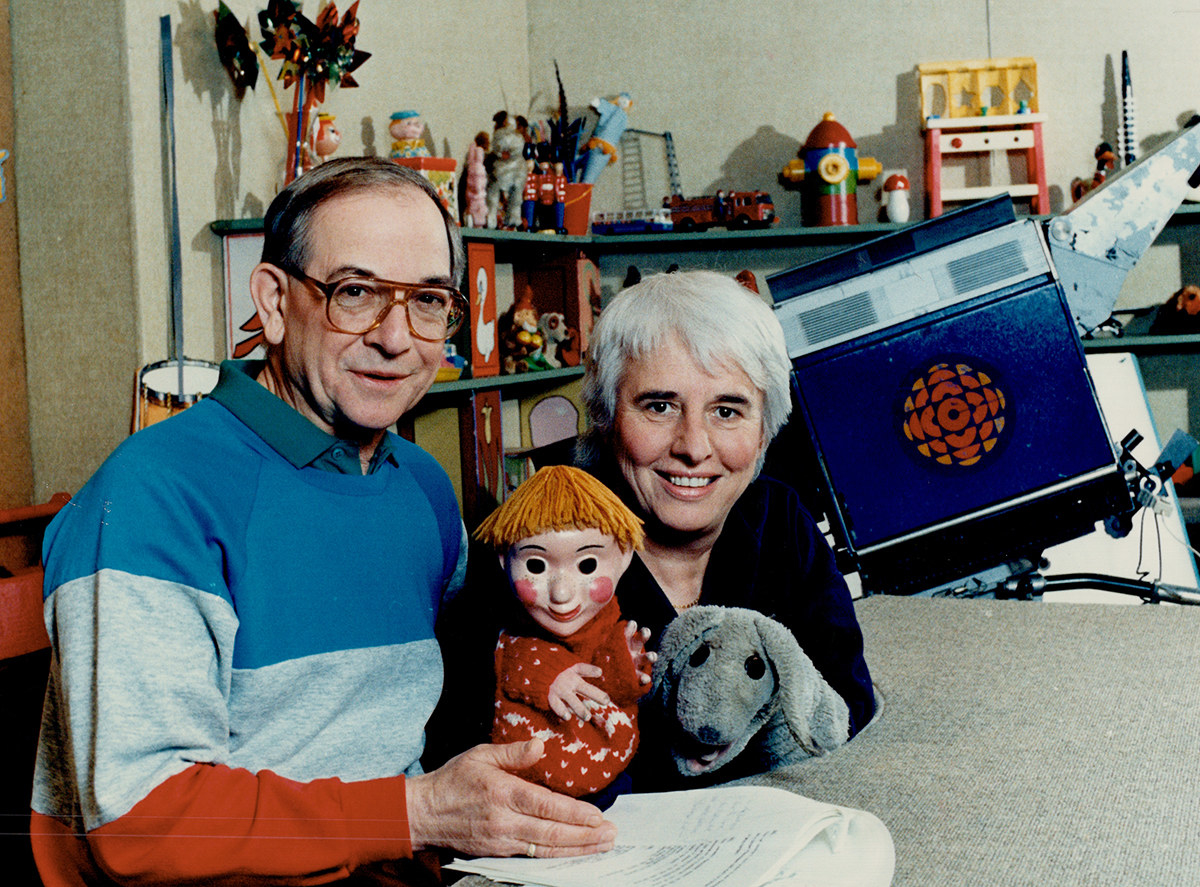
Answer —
741 836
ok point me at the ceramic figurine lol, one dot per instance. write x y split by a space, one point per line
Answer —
326 137
506 171
408 130
475 211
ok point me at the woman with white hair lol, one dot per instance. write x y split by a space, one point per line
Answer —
688 381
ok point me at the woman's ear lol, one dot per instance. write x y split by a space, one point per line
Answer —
268 290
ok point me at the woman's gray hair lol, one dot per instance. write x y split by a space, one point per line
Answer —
717 319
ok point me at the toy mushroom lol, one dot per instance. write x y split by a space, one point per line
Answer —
895 198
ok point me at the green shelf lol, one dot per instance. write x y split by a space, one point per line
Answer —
515 380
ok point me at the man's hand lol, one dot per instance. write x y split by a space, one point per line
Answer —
474 804
643 659
570 692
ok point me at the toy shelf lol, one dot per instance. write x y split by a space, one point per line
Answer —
507 382
659 242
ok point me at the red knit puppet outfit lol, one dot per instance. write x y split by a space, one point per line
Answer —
582 757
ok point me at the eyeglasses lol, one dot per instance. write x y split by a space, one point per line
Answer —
357 305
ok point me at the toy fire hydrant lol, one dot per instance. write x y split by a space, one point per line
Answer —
830 169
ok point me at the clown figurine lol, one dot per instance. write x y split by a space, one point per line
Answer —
408 130
326 137
572 674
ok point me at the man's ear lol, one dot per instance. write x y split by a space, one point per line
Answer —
269 291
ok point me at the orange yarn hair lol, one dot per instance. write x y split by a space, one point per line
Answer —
560 497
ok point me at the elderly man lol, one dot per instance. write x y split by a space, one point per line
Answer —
241 601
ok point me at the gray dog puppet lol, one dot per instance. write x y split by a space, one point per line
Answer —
732 683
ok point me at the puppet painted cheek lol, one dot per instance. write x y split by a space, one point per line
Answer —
526 592
602 589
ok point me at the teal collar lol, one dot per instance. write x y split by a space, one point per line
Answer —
288 432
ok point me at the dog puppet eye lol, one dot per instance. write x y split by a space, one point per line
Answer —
699 655
755 667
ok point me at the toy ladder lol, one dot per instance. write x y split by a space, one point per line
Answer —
633 174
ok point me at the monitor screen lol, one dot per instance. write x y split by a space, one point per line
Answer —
960 438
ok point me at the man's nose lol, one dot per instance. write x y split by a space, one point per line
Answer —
393 335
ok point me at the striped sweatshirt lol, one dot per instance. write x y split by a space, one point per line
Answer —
243 652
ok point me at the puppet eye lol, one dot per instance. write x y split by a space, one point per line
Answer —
755 667
587 566
699 655
535 565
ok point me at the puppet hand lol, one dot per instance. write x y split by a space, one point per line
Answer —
643 659
572 696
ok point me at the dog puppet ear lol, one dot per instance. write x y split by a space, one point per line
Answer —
816 717
675 645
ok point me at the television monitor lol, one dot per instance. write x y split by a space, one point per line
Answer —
943 393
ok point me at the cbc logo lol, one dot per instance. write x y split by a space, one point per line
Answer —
955 414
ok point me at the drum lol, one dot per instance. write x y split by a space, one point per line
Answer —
159 395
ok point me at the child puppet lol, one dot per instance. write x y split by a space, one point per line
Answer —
574 679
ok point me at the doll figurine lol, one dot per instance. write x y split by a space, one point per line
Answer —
408 131
475 213
601 148
326 137
573 673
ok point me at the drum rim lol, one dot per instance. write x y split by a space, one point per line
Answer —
166 398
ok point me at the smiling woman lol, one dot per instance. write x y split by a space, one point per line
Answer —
687 383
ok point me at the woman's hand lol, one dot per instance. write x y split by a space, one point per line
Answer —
572 696
475 804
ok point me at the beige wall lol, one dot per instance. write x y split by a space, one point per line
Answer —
93 221
739 83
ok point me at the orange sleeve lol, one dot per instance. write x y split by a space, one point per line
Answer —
213 824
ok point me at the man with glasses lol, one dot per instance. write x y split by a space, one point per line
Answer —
242 599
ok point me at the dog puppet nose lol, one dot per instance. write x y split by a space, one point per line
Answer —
709 736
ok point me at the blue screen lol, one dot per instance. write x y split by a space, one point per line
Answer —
995 398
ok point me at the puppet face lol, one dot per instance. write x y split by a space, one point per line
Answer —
564 577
